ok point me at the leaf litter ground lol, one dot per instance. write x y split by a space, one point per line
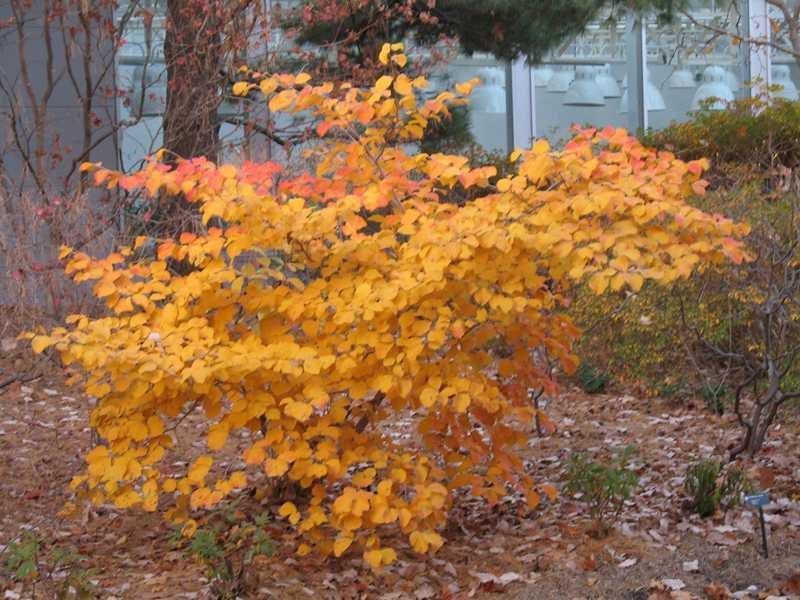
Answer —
658 550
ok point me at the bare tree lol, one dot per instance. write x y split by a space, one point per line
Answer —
58 97
784 34
760 353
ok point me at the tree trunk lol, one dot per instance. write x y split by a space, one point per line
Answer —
193 54
762 416
762 427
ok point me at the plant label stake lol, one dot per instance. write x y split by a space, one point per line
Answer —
759 501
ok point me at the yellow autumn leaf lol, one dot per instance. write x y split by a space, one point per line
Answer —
341 545
155 426
298 410
137 430
228 171
636 281
275 467
40 343
383 83
598 283
104 288
254 455
364 478
384 54
199 469
466 87
379 557
504 184
217 436
402 85
241 88
282 100
267 86
401 60
419 541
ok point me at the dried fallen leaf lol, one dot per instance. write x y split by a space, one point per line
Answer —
8 345
674 584
717 591
628 563
691 566
589 563
681 595
792 585
496 583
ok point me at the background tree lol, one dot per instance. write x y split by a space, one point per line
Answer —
738 347
784 35
506 29
58 97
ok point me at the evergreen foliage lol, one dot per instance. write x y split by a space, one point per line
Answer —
507 29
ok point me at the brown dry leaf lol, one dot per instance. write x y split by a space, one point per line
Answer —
424 592
496 583
674 584
717 591
589 563
792 585
681 595
8 345
723 539
766 477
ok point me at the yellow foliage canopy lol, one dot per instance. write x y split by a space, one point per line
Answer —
321 308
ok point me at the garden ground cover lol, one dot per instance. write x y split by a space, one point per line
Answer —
658 548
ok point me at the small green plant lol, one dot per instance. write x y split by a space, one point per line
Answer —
712 487
714 397
77 584
227 545
603 486
671 390
205 545
59 570
590 379
22 557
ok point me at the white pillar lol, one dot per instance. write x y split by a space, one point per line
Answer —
636 44
758 54
523 98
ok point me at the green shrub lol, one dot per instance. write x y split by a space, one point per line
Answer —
22 557
712 487
227 545
738 323
590 379
650 339
637 339
714 397
671 390
749 133
603 486
58 571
